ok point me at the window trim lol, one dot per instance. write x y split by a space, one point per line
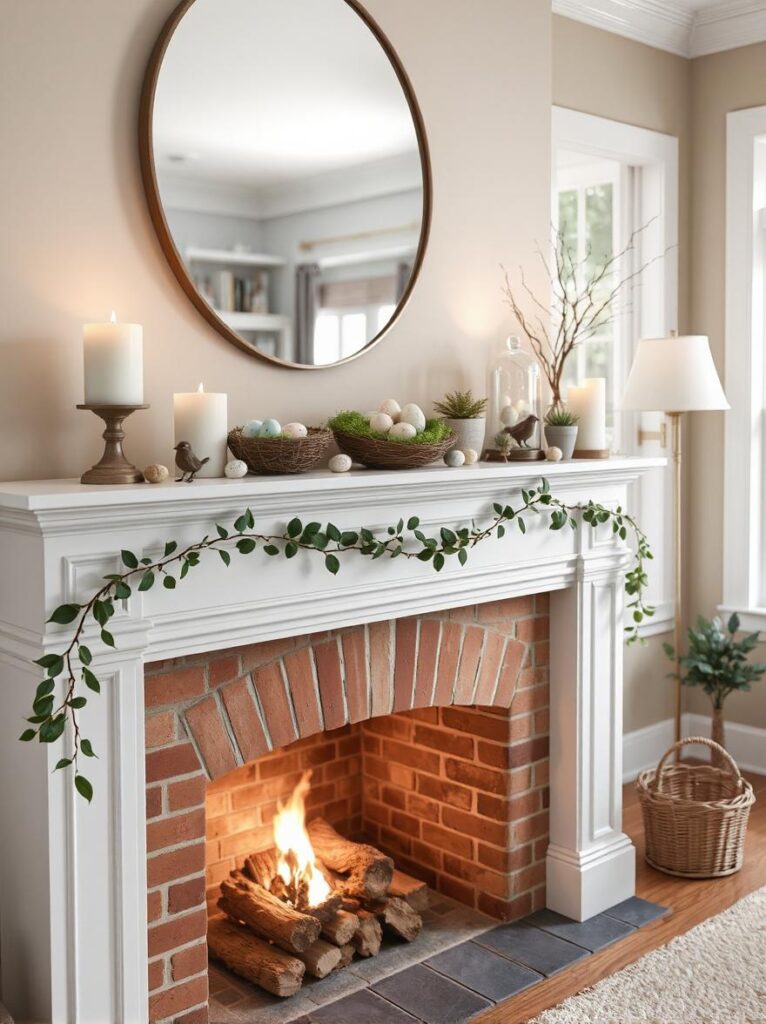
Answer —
656 156
745 432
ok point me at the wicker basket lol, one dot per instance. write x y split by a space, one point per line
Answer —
695 816
391 454
280 454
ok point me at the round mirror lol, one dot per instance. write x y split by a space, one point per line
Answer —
287 173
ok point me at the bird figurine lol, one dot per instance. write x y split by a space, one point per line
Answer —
187 462
523 430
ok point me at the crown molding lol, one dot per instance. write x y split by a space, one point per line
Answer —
667 26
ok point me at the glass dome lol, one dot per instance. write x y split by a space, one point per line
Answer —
515 401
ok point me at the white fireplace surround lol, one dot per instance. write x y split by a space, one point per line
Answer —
73 929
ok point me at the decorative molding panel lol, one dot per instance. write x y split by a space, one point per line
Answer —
673 26
643 748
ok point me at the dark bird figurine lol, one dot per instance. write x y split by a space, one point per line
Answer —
188 462
523 430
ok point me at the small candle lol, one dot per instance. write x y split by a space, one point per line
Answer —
201 418
113 357
588 403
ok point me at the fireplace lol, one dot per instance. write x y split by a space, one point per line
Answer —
426 737
91 894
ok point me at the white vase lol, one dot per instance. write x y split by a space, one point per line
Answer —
468 433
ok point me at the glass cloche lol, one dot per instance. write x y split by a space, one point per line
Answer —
514 426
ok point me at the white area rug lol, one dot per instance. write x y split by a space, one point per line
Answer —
714 974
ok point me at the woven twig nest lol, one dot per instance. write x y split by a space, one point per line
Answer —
280 454
382 454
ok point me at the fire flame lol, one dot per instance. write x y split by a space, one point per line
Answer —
296 864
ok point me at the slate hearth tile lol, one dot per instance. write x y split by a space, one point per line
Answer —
361 1008
483 971
532 947
637 912
327 990
593 934
430 997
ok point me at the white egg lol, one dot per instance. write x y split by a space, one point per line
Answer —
553 454
505 400
454 458
522 406
340 463
413 414
381 422
253 428
156 473
295 430
402 431
368 415
391 407
509 416
235 469
471 456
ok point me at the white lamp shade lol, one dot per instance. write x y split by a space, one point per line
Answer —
674 374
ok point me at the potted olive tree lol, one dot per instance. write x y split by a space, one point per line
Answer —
465 415
718 662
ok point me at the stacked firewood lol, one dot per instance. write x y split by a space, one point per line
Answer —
269 935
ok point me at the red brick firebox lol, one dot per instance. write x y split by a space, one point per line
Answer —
428 736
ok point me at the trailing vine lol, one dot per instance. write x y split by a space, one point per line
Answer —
74 664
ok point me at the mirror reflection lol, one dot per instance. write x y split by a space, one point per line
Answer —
289 173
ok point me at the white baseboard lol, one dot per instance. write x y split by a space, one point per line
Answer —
644 747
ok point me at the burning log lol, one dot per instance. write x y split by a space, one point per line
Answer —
369 936
254 960
367 871
341 927
410 889
321 958
266 915
262 868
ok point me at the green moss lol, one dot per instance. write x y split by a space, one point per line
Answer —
355 423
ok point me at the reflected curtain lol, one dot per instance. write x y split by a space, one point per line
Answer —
403 273
306 309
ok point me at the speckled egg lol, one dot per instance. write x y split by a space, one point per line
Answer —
295 430
381 422
554 454
252 429
454 458
235 469
270 428
413 414
402 431
509 416
340 463
391 407
156 474
471 456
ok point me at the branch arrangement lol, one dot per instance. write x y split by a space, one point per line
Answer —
74 664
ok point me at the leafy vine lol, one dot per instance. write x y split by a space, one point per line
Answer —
74 664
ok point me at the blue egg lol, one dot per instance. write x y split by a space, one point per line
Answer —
252 429
270 428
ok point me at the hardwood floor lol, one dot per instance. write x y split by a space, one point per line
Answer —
690 901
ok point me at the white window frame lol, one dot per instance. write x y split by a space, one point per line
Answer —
744 571
652 191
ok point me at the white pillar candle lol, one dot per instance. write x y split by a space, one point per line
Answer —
114 363
588 403
201 419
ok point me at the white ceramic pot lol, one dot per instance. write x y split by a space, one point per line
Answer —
468 433
563 438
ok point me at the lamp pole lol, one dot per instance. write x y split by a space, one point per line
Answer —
675 423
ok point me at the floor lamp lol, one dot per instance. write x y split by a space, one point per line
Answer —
674 375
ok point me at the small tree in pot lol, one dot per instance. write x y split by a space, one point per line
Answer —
464 414
718 662
561 430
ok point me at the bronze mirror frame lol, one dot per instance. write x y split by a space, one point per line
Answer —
157 213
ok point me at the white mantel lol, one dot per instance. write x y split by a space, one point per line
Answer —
73 876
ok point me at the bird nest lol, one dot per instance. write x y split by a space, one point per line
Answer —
382 454
278 455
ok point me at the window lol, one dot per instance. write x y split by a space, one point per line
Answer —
744 580
339 333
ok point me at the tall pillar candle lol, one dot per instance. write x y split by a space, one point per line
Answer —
113 357
201 419
588 403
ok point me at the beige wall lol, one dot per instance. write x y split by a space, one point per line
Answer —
720 83
627 81
76 240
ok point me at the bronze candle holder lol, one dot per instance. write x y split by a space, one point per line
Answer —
113 467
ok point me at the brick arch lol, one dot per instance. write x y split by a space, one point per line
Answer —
274 693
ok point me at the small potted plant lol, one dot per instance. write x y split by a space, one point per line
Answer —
561 430
464 414
718 662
